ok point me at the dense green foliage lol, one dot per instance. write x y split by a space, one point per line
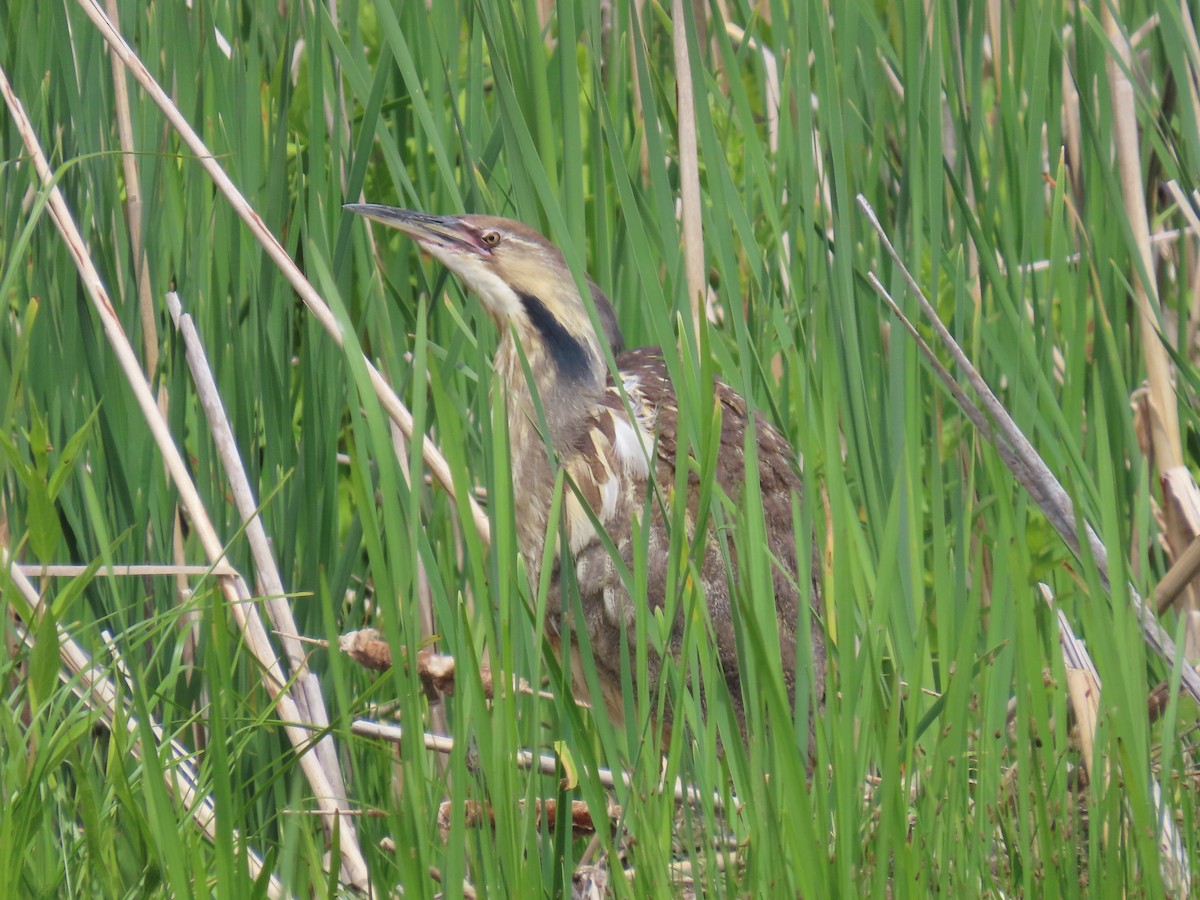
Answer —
950 125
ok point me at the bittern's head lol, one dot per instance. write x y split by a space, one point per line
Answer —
523 281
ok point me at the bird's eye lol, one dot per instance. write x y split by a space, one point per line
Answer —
491 238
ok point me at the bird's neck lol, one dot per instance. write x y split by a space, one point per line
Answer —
542 409
548 401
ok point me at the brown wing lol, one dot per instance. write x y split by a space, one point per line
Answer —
611 466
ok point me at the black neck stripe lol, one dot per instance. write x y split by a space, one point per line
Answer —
569 354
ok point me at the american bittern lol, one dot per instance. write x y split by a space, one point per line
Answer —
611 439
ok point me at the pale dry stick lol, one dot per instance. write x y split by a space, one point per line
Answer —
544 764
144 570
235 589
1178 577
1143 31
1018 454
1165 418
119 667
141 270
133 210
1083 686
889 74
689 167
1180 496
223 44
995 34
309 698
96 689
1187 562
1043 265
1071 122
277 254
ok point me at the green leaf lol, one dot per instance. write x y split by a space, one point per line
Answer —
38 436
25 472
44 660
70 455
45 530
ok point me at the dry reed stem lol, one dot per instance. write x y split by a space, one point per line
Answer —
1083 686
544 764
1181 499
480 815
133 209
997 426
388 399
689 166
1071 123
1168 236
437 671
235 589
309 699
34 570
95 689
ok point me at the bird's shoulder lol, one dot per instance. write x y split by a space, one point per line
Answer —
646 384
612 457
630 434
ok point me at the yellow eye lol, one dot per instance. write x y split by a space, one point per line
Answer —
491 238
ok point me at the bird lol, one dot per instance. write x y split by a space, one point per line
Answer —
615 436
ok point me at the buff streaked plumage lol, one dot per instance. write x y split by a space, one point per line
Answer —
615 440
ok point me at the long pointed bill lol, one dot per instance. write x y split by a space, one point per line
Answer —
431 232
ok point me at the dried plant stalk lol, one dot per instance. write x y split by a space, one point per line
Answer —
481 815
689 166
388 399
95 689
236 592
1181 501
994 422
